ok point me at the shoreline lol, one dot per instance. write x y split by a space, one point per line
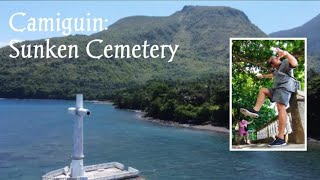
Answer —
100 102
207 127
44 99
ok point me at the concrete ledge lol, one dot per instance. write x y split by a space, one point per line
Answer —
105 171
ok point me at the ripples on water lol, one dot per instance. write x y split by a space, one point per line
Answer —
36 137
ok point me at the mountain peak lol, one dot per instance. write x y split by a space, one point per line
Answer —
211 11
189 8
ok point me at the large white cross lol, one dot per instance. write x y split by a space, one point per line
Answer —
77 153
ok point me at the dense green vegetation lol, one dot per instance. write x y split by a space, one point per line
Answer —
191 89
250 57
202 33
313 103
200 102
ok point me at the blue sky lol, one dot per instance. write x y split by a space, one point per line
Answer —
268 16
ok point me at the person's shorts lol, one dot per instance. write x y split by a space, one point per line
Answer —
280 96
242 132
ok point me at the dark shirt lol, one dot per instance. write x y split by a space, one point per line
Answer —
283 77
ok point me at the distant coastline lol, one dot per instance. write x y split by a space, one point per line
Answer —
93 101
100 102
206 127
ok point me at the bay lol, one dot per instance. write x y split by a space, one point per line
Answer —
36 137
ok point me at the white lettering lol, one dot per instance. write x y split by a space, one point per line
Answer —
14 48
173 52
11 22
88 48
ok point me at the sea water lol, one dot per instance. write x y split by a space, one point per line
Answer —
36 137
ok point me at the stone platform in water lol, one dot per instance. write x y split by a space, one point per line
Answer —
105 171
77 171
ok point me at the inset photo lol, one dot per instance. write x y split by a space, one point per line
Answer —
268 94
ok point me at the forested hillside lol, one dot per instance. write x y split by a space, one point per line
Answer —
202 33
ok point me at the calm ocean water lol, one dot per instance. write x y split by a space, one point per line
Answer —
36 137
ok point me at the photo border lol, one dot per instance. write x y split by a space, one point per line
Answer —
230 95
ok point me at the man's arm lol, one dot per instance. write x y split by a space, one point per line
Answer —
291 59
250 122
260 76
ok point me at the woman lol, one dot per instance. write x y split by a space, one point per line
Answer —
243 130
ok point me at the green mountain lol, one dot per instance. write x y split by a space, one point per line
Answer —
310 30
202 32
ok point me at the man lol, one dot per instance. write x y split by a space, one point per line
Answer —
284 86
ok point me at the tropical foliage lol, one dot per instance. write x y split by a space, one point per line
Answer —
200 102
313 115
